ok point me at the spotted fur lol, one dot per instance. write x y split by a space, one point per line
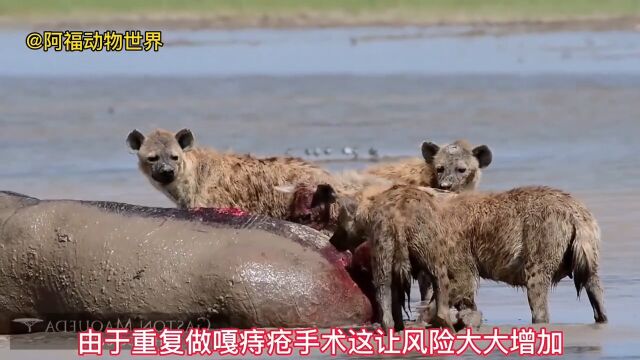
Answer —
202 177
455 167
528 237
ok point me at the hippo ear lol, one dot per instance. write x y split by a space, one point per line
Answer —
429 150
135 140
483 154
325 194
185 139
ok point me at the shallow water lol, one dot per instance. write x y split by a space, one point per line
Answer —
364 51
566 121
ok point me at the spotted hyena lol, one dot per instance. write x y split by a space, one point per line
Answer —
528 237
309 206
359 226
456 167
193 176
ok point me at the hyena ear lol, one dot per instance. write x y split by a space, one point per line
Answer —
350 206
185 139
429 150
135 140
483 154
325 194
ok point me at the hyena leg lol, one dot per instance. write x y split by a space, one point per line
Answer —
441 297
427 307
424 282
537 293
462 290
382 280
397 300
595 294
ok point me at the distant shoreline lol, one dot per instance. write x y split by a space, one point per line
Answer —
213 22
295 14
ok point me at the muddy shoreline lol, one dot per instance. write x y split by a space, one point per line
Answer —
310 21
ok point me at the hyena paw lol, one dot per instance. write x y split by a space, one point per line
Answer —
442 321
468 318
387 322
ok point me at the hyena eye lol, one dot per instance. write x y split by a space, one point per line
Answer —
461 170
440 169
153 158
174 157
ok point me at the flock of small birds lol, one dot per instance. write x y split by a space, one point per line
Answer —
349 151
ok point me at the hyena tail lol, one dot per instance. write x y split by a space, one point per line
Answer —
584 251
402 266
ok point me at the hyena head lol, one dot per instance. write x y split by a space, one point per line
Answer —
457 165
346 235
161 153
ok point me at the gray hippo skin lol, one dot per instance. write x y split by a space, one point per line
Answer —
105 261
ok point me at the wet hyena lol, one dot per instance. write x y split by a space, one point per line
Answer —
308 207
392 227
192 176
455 167
530 237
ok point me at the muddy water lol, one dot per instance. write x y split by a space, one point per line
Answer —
557 109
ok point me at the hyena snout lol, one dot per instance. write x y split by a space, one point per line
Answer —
163 173
454 179
445 185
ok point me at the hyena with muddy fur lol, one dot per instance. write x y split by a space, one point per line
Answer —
528 237
456 167
364 220
192 176
310 206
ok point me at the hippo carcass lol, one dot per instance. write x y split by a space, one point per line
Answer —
105 260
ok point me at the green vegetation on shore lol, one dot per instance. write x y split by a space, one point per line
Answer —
320 12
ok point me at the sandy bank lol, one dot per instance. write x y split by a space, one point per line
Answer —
189 21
